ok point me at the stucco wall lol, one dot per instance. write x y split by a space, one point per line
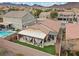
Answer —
17 23
44 15
28 19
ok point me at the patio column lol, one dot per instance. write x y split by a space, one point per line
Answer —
42 43
33 40
24 38
55 38
18 37
47 38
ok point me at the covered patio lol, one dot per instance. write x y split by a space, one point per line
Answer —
4 26
35 37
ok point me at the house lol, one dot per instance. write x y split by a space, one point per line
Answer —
1 18
42 32
71 41
49 27
67 17
77 16
44 15
19 19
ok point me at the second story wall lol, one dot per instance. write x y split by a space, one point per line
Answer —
28 19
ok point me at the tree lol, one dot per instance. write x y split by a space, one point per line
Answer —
53 14
36 12
47 10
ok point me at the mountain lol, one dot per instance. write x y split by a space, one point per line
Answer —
37 5
12 4
67 5
15 4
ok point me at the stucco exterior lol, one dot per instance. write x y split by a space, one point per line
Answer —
20 22
44 15
16 22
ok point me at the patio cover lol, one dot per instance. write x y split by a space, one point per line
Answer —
33 33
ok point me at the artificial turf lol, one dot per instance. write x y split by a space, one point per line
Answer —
48 49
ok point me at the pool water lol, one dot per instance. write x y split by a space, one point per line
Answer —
4 34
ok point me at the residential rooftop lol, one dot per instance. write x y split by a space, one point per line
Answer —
66 12
16 14
72 31
47 25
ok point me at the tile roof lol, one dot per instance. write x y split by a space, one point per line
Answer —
40 27
45 13
47 25
72 31
16 14
66 13
51 24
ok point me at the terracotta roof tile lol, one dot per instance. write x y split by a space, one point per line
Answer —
72 31
16 14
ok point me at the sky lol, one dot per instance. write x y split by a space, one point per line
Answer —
41 3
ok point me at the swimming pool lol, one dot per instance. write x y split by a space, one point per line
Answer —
4 34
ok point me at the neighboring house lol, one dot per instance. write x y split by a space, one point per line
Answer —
49 28
42 8
19 19
71 41
44 15
77 16
67 17
1 18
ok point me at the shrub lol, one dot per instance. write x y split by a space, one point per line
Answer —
18 54
36 12
53 14
17 30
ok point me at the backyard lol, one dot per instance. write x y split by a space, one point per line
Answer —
48 49
5 52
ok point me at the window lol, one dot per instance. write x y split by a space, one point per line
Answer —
24 26
51 37
59 18
64 19
61 14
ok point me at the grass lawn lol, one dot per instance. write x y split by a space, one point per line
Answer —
49 49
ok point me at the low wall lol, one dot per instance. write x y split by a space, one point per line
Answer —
20 49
